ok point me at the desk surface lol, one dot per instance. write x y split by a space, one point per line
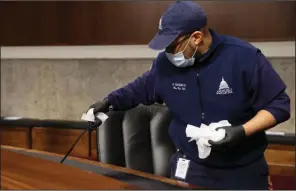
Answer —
21 171
29 169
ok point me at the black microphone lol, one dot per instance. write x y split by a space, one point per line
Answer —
91 125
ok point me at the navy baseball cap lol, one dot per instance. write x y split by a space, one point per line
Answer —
182 17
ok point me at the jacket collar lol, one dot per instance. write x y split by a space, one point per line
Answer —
216 41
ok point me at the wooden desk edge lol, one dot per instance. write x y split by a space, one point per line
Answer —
121 169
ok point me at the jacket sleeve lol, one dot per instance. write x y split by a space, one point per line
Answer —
140 91
267 90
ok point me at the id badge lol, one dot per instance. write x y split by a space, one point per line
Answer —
182 168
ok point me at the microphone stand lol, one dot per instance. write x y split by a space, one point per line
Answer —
91 125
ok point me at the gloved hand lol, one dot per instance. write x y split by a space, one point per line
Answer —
233 136
100 106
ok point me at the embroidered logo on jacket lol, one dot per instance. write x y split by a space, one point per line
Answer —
224 88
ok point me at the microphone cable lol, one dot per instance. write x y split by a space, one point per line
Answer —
91 125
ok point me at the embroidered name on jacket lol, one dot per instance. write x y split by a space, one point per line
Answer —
179 86
224 88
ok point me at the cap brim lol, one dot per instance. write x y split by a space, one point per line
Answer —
160 42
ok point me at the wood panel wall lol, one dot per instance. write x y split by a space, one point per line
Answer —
280 158
49 139
134 22
17 137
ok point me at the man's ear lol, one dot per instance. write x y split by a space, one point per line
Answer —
198 37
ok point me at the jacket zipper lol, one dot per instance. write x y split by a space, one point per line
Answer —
200 98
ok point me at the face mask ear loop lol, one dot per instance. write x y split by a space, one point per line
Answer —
186 44
194 51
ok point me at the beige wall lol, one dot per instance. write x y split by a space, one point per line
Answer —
64 89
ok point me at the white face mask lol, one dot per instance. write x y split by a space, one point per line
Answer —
179 60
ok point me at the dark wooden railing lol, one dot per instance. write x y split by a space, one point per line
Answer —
49 135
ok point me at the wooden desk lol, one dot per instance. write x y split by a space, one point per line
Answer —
29 169
19 171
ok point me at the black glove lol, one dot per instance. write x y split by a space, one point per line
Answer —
233 136
100 106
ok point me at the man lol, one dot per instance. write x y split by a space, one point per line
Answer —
204 77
